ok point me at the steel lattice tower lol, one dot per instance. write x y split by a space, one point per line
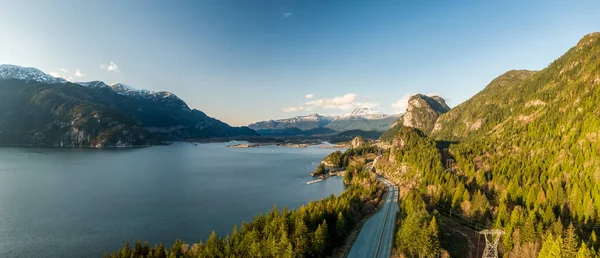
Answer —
492 237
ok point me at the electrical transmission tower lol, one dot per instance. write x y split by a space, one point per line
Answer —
450 164
492 237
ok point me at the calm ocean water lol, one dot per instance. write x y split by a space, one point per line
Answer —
82 202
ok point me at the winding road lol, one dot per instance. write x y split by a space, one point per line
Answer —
377 234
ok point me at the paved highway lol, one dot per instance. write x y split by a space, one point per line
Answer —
377 234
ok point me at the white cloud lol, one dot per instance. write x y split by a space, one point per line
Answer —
342 102
68 75
111 67
309 96
291 109
402 104
372 105
346 102
287 14
78 73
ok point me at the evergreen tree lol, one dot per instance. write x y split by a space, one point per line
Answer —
212 248
340 226
551 247
583 252
570 242
301 235
320 240
593 241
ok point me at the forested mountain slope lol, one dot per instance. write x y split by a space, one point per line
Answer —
528 160
38 109
63 114
483 111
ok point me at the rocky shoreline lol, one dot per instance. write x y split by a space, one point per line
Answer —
244 145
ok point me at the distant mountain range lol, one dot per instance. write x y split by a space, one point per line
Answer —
38 109
364 119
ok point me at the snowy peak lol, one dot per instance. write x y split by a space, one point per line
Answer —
364 111
161 96
8 71
27 74
311 118
94 84
124 89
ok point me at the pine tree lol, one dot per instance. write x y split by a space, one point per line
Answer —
320 240
301 235
550 247
177 248
432 244
528 232
161 252
583 251
212 248
570 242
126 250
340 226
593 239
137 249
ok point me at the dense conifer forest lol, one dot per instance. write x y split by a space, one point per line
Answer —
526 161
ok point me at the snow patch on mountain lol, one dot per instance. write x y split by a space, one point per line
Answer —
8 71
27 74
94 84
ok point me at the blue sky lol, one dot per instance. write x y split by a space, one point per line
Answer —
245 61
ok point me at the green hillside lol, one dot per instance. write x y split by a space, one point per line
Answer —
485 110
528 160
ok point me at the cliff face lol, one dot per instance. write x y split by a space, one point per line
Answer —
423 111
422 114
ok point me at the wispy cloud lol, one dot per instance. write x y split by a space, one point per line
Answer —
402 104
292 109
346 102
287 14
78 73
111 67
309 96
67 74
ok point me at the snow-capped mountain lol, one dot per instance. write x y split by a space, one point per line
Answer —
8 71
96 114
361 118
94 84
27 74
124 89
364 113
301 122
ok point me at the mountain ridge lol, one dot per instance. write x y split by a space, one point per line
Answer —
365 119
160 114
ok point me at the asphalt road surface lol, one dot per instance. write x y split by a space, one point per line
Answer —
377 234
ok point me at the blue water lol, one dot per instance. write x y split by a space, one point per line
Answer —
83 202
